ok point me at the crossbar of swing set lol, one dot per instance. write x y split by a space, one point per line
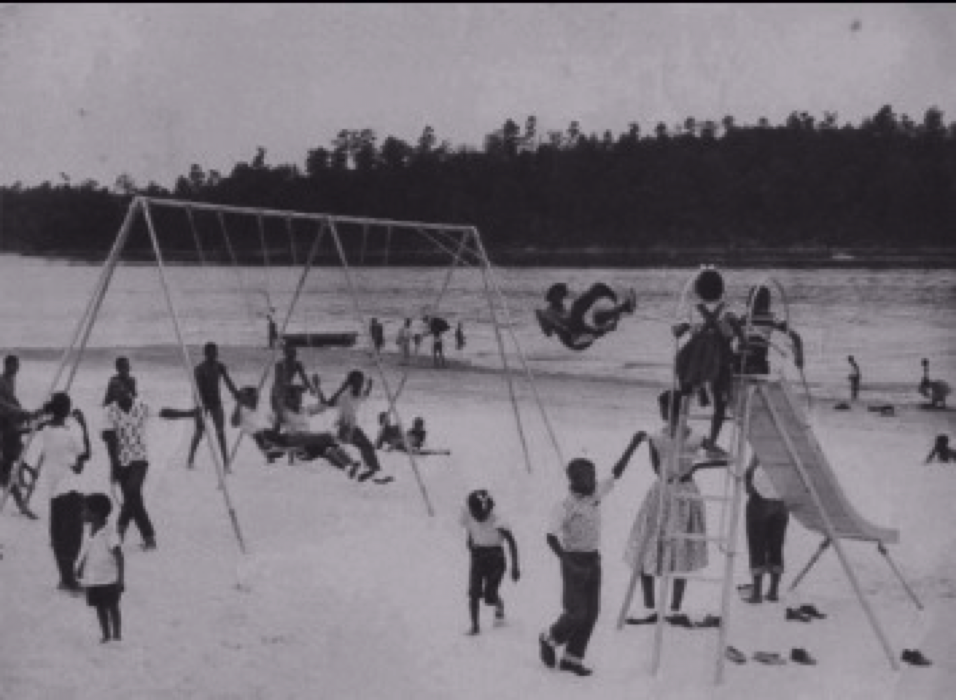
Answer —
302 216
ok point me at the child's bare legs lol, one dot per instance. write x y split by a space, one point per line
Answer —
103 615
474 613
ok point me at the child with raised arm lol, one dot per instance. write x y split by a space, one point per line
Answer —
574 535
100 566
487 531
349 399
661 516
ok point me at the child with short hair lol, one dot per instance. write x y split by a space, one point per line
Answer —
590 315
486 532
704 361
100 566
574 535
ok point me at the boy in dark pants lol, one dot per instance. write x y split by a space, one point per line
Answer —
575 537
767 522
486 533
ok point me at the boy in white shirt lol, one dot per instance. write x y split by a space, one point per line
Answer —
486 534
100 566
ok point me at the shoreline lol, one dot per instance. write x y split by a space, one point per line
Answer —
592 257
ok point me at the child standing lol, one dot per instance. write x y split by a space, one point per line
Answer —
767 522
100 566
681 512
854 377
486 533
574 535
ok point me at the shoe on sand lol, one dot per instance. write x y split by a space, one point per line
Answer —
647 620
794 614
575 667
546 650
811 611
769 657
800 656
732 654
915 658
679 620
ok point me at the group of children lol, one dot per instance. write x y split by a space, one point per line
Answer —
409 338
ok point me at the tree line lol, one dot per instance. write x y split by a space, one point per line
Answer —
885 183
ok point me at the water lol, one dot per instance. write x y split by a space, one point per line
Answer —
887 319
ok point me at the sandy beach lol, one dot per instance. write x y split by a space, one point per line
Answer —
351 590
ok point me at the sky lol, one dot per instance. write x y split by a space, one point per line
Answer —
99 90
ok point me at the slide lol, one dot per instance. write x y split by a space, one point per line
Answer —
781 437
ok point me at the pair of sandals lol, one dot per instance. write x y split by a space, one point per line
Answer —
770 658
678 620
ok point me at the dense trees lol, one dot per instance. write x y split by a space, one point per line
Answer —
887 182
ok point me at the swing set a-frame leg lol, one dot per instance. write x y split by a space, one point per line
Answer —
825 543
900 577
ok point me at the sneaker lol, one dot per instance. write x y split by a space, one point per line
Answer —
794 614
811 611
709 621
366 475
732 654
148 545
679 620
769 657
546 650
574 667
383 480
915 658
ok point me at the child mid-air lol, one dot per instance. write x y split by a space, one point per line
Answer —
487 531
100 567
590 316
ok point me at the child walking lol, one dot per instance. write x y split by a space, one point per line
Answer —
486 533
678 511
100 566
574 535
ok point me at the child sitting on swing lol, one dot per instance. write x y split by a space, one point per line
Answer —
590 316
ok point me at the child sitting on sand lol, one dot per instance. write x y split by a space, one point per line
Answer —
390 437
590 316
487 531
941 450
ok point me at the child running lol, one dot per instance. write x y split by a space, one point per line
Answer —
590 316
486 532
574 535
100 567
678 511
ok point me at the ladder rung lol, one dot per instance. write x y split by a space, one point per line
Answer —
694 537
697 577
695 497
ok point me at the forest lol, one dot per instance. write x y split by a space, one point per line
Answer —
886 184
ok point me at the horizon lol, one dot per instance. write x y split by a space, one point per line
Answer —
147 91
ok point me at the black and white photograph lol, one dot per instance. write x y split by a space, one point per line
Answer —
469 351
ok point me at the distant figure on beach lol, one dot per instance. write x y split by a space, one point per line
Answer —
590 315
854 377
941 451
376 335
459 337
936 391
404 340
208 374
271 329
437 327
